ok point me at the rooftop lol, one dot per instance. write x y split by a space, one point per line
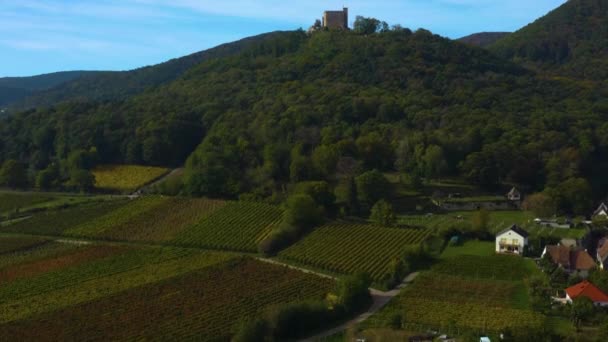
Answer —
586 289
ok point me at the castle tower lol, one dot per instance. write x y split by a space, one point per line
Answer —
336 19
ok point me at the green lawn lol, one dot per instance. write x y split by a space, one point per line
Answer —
477 248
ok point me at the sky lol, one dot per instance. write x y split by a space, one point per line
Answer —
42 36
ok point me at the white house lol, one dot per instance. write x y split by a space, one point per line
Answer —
601 212
514 195
512 240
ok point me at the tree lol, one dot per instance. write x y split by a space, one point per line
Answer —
346 193
12 174
324 159
434 162
581 309
541 204
382 214
83 159
302 212
372 186
47 178
480 221
319 191
82 180
365 25
353 292
574 196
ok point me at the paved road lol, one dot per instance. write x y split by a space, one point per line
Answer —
380 299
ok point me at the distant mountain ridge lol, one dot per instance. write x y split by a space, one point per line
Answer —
109 86
571 41
483 39
16 88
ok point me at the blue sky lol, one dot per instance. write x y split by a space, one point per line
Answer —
40 36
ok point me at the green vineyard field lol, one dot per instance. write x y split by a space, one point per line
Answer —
237 227
12 201
165 221
62 280
350 248
16 244
204 303
57 222
481 294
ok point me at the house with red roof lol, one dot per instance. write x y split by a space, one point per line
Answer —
586 289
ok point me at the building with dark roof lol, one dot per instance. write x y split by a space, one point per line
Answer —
573 261
512 240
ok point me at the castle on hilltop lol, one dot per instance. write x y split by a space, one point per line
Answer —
335 19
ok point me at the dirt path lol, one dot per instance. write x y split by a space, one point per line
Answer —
380 299
274 262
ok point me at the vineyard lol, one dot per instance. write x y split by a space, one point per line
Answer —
351 248
63 280
131 210
126 178
56 222
165 221
466 293
237 226
205 302
11 201
17 244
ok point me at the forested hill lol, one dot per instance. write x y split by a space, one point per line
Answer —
16 88
483 39
572 40
297 107
108 86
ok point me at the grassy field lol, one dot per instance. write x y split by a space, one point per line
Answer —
469 289
349 248
126 178
107 292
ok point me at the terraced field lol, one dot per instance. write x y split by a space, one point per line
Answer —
126 178
126 293
350 248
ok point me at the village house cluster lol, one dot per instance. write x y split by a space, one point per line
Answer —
570 255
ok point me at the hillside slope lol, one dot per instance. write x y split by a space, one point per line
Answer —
295 108
109 86
16 88
483 39
571 40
